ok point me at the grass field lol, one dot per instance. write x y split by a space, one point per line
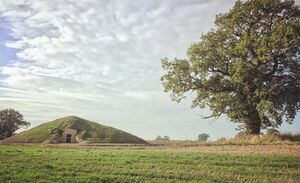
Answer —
36 163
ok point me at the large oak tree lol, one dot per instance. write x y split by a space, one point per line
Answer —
247 68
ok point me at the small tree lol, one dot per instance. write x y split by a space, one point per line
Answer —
159 138
10 121
165 138
203 137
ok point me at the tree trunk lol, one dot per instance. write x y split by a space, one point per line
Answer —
253 123
9 134
253 128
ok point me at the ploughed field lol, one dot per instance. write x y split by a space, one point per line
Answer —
37 163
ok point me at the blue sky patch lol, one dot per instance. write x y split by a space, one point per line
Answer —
6 54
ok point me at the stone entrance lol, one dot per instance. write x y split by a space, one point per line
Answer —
69 136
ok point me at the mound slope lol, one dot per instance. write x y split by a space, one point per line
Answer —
86 130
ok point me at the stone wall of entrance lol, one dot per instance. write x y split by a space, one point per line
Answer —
71 132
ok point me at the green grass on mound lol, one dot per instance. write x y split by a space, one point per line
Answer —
87 130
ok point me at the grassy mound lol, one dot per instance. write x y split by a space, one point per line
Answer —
86 130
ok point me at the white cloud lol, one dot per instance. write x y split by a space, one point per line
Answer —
101 60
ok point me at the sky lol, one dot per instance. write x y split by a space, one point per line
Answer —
100 60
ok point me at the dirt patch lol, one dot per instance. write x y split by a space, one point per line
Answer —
231 149
239 149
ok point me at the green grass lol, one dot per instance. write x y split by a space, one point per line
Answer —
52 164
95 132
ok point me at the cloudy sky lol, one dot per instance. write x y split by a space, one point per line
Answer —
100 60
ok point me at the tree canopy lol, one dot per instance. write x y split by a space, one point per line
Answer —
10 121
164 138
247 68
203 137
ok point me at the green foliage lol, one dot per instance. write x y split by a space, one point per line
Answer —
59 130
203 137
248 68
10 121
87 130
50 164
164 138
85 134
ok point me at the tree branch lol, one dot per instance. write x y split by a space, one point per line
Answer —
275 67
226 73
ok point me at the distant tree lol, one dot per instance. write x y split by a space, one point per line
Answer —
159 138
10 121
248 68
203 137
166 138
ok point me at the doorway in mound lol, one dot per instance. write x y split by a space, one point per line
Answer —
69 138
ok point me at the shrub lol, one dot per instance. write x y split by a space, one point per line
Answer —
290 137
84 134
272 131
57 131
203 137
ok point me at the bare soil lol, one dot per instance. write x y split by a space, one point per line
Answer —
282 149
